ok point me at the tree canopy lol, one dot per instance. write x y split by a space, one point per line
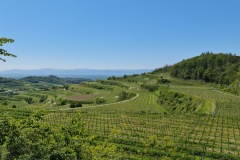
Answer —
216 68
3 51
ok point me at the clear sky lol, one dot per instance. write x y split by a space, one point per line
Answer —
116 34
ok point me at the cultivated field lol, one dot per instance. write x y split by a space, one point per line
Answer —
140 127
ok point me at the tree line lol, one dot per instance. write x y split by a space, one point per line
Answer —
221 68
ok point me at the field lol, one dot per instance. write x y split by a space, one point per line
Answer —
139 126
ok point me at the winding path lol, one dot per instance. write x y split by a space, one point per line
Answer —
100 104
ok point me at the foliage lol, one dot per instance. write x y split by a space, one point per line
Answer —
179 102
10 83
162 80
54 80
100 101
164 69
135 129
112 78
63 102
75 105
150 87
3 51
30 139
29 100
97 86
43 98
113 83
124 95
5 103
234 87
218 68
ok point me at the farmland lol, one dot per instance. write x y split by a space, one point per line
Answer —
139 127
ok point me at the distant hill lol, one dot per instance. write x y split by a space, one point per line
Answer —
216 68
72 72
53 80
10 83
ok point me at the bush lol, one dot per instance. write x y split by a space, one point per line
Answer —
29 100
163 80
149 87
14 106
75 105
5 103
124 95
63 102
43 98
178 102
100 101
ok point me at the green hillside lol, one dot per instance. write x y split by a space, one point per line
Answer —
10 83
142 116
222 69
208 67
53 80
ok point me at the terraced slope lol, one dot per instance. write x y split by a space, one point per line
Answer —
141 128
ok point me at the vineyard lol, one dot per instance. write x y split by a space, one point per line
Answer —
204 136
140 127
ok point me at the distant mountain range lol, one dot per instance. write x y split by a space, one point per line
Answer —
84 73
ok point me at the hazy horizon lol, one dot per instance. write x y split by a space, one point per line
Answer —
120 69
83 73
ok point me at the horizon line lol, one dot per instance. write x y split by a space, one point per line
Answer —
75 69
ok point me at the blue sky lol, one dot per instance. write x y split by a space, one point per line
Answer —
116 34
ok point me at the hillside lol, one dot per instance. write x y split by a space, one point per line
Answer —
141 116
218 68
208 67
53 80
9 83
221 69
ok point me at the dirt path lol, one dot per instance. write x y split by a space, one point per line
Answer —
101 104
215 90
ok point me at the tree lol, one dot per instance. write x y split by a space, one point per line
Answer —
29 100
3 51
75 105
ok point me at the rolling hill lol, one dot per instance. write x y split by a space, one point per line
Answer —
141 116
53 80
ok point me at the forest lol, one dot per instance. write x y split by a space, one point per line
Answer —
222 69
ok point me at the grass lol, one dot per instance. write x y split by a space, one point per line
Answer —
208 107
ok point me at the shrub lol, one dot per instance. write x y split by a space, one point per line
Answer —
29 100
163 80
100 101
149 87
43 98
5 103
125 95
75 105
63 102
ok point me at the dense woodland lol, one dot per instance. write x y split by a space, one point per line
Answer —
222 69
218 68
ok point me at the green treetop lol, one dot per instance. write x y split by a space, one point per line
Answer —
3 51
